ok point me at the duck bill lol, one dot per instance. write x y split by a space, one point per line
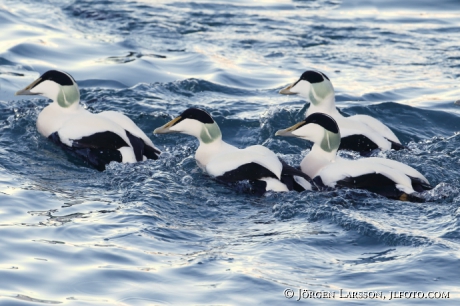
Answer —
287 90
288 132
26 91
166 129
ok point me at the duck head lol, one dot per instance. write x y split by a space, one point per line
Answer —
312 85
56 85
319 128
195 122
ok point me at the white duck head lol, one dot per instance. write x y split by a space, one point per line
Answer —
55 85
314 86
319 128
195 122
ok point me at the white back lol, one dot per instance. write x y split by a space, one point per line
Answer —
354 168
228 161
127 124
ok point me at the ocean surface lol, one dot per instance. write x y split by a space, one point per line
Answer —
162 232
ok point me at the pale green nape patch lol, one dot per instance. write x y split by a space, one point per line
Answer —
68 95
330 142
321 91
210 132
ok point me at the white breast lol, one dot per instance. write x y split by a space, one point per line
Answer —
207 152
53 117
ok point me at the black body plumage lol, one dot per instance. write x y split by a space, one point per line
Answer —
99 149
380 184
253 172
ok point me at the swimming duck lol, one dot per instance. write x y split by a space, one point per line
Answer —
229 164
97 138
383 176
360 133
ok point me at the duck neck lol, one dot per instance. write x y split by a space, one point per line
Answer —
322 98
322 105
207 150
70 108
318 150
322 154
315 160
210 144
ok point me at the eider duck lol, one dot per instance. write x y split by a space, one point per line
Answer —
258 164
360 133
383 176
96 138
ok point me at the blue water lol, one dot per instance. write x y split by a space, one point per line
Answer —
163 233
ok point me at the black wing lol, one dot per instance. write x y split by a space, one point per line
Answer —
137 144
374 182
86 148
396 146
380 184
363 144
419 185
251 171
150 152
141 149
359 143
106 140
287 177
